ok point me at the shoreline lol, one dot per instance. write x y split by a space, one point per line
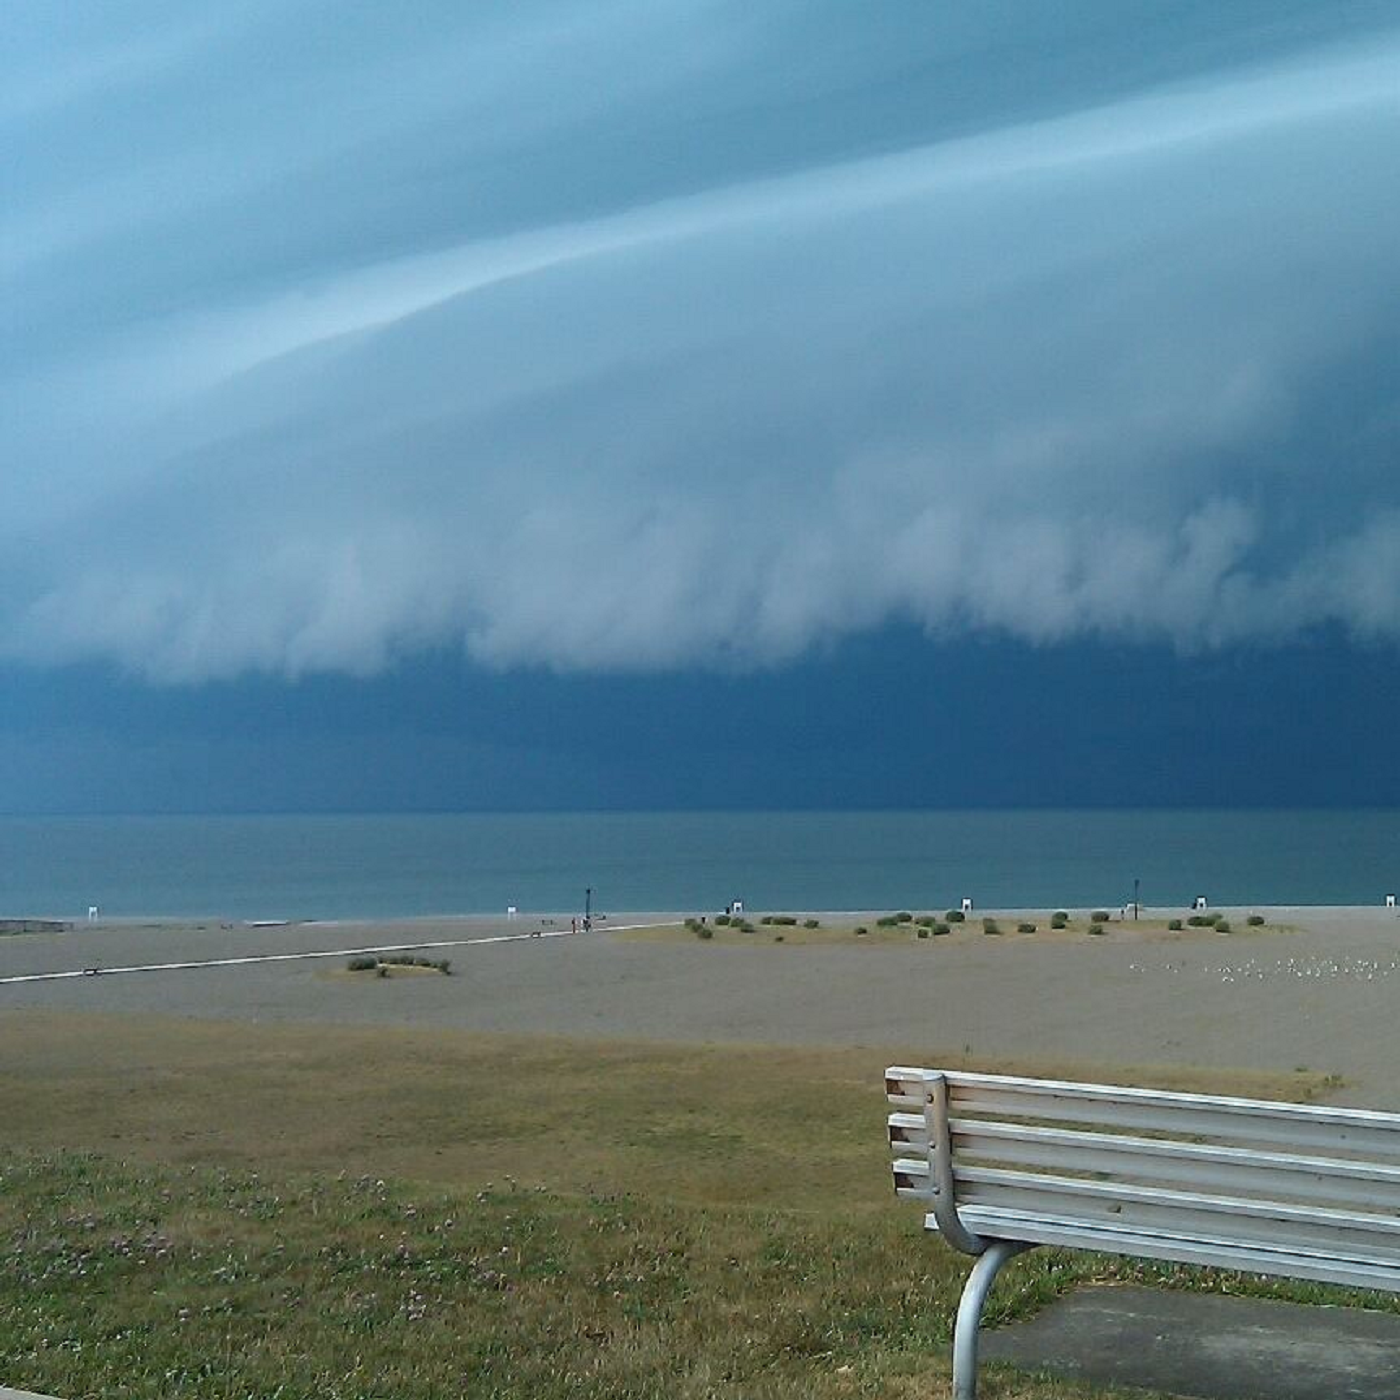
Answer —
601 922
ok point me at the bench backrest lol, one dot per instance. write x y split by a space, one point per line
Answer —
1293 1189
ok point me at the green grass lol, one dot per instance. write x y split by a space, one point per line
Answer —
199 1210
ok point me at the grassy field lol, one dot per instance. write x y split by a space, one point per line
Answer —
197 1209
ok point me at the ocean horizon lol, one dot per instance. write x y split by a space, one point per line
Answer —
379 866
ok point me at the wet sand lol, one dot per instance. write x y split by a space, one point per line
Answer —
1325 996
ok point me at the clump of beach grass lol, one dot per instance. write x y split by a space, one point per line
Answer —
382 963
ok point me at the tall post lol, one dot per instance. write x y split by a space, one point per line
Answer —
1136 883
588 909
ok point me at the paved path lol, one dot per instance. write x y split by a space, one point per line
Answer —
1208 1347
7 1394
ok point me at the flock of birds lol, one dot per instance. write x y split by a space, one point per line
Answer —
1304 969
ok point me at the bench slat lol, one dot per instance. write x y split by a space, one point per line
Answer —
1262 1183
1284 1130
998 1224
1115 1155
1387 1225
1189 1216
904 1086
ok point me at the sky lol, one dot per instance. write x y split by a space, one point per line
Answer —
679 402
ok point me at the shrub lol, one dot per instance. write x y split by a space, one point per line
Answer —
1255 921
722 919
811 923
743 925
1222 926
1174 924
362 964
1201 921
777 938
862 931
940 928
1099 916
766 919
1061 914
1025 928
787 920
888 921
926 921
1097 930
1059 921
921 931
990 926
904 917
955 916
704 931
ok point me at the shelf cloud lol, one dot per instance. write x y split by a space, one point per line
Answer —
658 337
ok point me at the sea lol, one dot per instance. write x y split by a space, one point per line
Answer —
366 866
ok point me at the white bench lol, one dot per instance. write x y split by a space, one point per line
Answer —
1005 1164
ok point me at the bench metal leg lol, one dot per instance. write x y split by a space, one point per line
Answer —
974 1295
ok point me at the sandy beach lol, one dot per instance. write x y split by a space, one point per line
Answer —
1318 988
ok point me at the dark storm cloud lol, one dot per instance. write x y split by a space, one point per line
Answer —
653 335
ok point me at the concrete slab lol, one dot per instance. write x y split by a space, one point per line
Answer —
1208 1347
7 1394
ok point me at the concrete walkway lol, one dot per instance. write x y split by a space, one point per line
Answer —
7 1394
1208 1347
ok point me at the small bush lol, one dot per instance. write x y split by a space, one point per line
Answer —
704 931
786 920
1201 920
1062 914
925 921
777 938
940 928
921 932
888 921
955 916
743 925
1222 926
904 917
1025 928
1174 925
722 919
1255 921
990 926
1099 916
1097 930
811 923
362 964
862 931
766 919
1060 921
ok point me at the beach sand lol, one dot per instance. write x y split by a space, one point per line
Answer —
1322 993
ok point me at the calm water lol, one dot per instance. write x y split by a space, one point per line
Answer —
340 866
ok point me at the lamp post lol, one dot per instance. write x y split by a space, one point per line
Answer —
588 909
1136 883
